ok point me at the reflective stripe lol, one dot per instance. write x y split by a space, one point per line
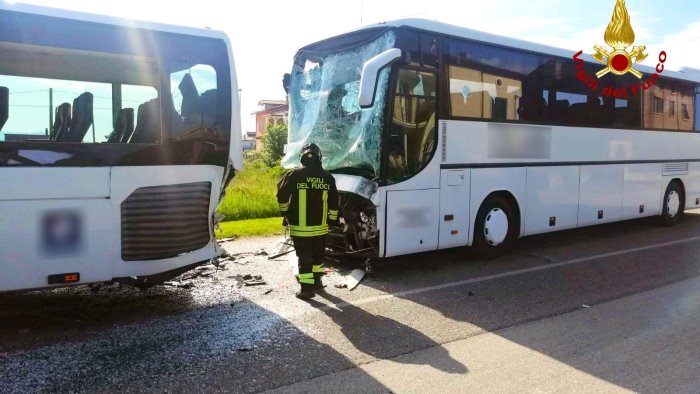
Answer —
305 233
325 208
283 207
333 214
307 278
302 208
317 269
309 228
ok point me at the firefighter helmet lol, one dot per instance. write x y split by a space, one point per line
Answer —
310 153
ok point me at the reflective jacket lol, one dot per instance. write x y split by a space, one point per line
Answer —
308 198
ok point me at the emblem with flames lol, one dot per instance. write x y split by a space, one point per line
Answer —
619 35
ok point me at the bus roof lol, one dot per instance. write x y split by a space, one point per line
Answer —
109 20
686 74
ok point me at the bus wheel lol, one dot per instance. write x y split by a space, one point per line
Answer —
495 229
674 202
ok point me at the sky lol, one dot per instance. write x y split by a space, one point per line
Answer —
266 35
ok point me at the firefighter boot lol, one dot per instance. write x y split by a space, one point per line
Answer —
318 282
306 293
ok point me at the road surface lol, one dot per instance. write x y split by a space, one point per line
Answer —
607 308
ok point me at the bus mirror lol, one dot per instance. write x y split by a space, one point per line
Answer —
285 82
370 74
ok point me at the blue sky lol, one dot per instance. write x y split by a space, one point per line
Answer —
266 35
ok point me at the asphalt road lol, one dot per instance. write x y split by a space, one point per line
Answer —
613 307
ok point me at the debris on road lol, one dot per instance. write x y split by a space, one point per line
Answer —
341 285
284 247
470 294
268 291
180 285
261 252
355 278
253 280
585 306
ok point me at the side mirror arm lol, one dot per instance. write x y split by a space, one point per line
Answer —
370 75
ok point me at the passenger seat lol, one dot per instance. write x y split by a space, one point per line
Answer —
148 123
124 126
82 118
209 102
61 122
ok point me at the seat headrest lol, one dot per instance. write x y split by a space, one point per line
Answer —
82 118
190 96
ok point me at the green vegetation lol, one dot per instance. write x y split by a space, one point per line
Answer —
252 193
251 228
273 144
250 205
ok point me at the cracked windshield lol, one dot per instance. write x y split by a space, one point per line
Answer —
324 108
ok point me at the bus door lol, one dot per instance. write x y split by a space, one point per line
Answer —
413 196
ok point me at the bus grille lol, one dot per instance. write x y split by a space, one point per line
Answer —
165 221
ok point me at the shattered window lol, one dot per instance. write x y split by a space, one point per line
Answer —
324 108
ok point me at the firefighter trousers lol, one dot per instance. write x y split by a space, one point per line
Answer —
310 251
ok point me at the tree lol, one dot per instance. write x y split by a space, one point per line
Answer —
273 143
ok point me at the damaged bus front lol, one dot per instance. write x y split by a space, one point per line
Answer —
324 89
340 99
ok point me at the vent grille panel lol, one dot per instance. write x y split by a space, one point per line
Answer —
675 168
165 221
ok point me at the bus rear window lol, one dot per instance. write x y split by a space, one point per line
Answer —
71 111
62 96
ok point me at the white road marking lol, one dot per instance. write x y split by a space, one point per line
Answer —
509 273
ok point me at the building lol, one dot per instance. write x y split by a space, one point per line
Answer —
271 112
668 107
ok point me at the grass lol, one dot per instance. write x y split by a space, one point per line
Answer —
251 228
252 193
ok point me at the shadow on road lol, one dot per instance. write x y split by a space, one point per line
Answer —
222 348
500 303
382 337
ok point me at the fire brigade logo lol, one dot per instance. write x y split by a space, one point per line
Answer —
619 35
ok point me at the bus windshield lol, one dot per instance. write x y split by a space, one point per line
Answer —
324 107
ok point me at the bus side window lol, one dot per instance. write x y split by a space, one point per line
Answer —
430 51
412 132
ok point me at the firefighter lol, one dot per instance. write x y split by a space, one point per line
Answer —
308 200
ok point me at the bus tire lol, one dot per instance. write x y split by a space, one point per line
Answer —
673 204
495 229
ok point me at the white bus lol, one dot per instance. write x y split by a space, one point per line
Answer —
117 139
441 136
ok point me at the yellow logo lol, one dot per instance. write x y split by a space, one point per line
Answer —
619 35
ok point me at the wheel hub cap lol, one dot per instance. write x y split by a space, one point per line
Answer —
496 227
673 203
